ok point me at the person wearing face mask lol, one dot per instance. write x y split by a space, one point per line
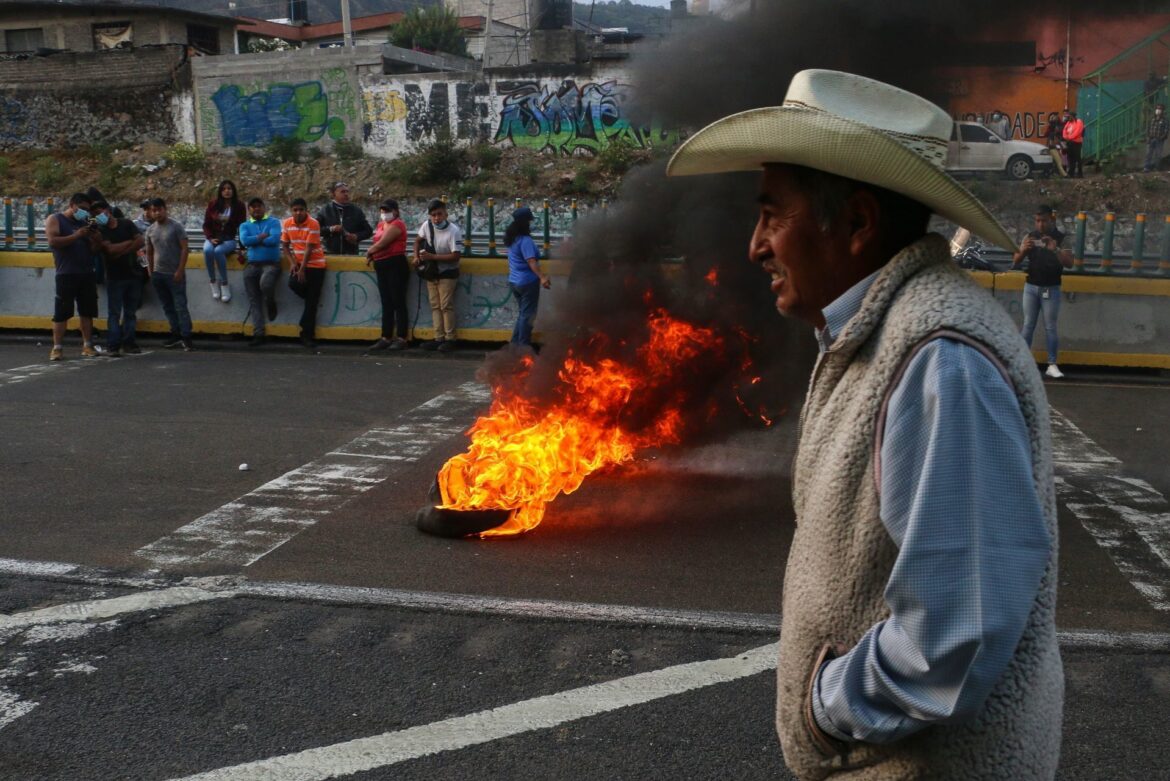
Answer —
439 240
388 256
222 220
1156 134
72 241
119 245
342 223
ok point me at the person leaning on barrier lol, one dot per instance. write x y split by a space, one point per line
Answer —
342 223
437 250
300 240
1046 265
525 277
166 254
260 237
73 241
918 636
388 256
119 244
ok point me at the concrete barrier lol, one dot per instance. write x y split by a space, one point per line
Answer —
350 306
1104 320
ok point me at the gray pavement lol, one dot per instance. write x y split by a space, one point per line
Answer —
105 457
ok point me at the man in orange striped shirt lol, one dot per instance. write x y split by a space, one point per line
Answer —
300 239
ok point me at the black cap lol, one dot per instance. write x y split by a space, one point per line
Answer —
145 203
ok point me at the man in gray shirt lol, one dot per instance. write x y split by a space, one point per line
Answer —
166 256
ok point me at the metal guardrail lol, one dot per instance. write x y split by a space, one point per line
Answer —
482 244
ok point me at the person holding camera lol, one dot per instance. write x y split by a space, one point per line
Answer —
1046 264
342 223
72 235
436 256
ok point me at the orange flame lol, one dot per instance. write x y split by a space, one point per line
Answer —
523 455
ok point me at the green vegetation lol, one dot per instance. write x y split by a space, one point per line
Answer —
282 149
347 149
48 174
185 157
486 156
528 172
623 13
617 158
434 29
110 177
4 165
436 162
314 153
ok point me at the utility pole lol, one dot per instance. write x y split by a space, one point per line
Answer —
346 27
487 34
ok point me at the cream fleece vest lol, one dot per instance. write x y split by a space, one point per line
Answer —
841 556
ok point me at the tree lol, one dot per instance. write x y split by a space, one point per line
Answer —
434 29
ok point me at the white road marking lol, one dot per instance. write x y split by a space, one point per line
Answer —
21 374
252 526
1128 517
356 756
95 609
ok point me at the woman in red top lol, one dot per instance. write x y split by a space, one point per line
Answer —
221 223
388 256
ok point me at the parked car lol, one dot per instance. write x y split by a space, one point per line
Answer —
973 148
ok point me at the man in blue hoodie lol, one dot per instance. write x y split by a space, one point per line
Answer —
260 236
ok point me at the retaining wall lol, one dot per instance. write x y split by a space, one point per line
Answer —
1104 321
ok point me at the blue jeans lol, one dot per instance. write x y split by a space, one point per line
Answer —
527 296
1034 302
122 299
260 284
1153 154
173 297
216 255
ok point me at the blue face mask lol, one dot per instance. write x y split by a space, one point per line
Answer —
102 219
442 225
81 215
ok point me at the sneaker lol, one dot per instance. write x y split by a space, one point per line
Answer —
398 344
433 344
446 346
378 346
173 341
132 349
225 292
188 345
259 340
215 291
56 354
1054 372
113 352
308 342
271 305
87 351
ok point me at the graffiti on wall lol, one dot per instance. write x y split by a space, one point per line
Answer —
481 301
569 118
17 124
308 111
558 116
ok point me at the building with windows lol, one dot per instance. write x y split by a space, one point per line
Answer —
32 27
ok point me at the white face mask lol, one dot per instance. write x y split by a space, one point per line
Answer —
388 216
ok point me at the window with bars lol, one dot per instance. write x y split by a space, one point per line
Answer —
203 37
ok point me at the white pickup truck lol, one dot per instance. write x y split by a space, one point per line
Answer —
974 148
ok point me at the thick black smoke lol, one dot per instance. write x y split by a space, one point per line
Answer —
659 243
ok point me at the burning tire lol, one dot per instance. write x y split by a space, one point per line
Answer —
459 523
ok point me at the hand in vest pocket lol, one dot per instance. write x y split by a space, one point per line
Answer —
825 743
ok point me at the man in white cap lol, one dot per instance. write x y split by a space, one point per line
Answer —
918 637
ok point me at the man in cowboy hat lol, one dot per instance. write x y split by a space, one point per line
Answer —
918 637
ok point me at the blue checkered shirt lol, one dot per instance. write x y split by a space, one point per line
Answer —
958 499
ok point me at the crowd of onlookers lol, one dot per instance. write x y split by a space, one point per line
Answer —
93 242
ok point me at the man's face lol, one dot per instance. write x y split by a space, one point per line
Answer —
438 216
256 211
1044 223
74 207
160 214
807 265
148 213
341 193
299 214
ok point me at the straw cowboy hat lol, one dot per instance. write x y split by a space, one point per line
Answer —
850 126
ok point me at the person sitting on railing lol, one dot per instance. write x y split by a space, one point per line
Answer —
342 223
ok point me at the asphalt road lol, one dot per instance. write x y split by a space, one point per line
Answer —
307 612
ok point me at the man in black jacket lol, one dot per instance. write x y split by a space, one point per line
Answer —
343 225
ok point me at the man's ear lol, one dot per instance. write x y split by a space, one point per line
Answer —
863 213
